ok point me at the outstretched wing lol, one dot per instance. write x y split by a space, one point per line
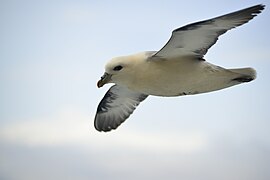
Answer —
195 39
115 107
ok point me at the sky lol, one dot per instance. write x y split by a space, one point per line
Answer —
53 52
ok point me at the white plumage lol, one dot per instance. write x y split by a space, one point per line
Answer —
177 69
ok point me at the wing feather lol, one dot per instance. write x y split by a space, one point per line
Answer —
115 107
194 40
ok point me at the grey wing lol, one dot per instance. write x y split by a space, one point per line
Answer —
195 39
115 107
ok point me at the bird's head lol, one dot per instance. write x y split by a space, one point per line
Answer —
117 71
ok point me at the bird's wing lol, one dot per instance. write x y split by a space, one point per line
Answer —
115 107
194 40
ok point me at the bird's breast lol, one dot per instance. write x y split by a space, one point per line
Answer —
164 79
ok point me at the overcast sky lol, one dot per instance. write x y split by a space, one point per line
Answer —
53 52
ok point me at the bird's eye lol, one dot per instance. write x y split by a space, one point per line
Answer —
117 68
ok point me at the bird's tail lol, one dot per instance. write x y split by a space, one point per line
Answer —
245 74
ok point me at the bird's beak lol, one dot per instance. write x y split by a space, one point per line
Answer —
104 79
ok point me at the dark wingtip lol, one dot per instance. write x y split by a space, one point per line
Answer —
104 128
257 9
101 125
260 7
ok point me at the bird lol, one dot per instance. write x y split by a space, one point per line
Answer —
177 69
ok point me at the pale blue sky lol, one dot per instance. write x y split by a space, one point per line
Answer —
53 52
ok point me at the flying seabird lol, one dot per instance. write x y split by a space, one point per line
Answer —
177 69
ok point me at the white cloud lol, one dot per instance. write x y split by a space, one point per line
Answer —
73 127
65 127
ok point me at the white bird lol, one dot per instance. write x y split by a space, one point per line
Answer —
179 68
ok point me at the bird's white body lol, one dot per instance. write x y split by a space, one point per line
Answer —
176 77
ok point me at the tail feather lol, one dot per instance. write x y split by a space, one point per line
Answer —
245 74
